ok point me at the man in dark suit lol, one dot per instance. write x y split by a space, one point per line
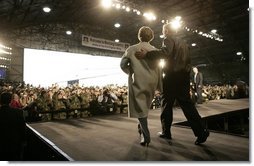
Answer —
12 128
176 84
198 81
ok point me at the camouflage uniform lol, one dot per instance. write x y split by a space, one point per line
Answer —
85 103
75 105
59 105
44 104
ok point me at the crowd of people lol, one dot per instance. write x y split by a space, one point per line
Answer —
225 91
78 100
89 101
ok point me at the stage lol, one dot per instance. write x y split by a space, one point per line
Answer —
115 137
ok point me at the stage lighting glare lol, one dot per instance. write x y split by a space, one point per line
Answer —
106 3
117 40
162 63
178 18
149 16
138 12
193 44
3 51
163 75
117 25
118 6
161 36
68 32
123 7
176 23
46 9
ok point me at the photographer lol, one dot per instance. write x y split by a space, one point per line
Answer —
107 101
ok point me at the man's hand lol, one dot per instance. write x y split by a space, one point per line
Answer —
141 54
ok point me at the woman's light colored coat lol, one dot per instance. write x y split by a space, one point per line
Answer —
144 78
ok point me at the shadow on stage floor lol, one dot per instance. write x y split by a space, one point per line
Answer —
115 137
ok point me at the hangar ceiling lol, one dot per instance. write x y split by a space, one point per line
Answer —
22 19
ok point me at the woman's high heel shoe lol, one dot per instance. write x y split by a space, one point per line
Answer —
143 142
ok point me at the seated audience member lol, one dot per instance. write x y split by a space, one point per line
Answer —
24 100
12 127
15 102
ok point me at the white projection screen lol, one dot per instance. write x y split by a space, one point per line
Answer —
44 68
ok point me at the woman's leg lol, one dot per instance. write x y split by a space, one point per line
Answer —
145 131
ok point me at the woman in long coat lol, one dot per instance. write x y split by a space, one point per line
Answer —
144 78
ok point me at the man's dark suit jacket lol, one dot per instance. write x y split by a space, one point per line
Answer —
12 128
176 54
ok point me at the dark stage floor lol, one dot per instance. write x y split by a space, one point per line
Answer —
115 138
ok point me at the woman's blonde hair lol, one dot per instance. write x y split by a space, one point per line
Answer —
145 34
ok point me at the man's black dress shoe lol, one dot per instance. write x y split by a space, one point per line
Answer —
164 136
202 138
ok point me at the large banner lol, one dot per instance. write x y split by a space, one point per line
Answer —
90 41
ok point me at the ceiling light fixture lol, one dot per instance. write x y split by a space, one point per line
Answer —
214 31
46 9
117 25
212 34
68 32
239 53
127 9
118 6
193 44
117 40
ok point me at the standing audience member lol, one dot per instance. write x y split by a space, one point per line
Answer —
198 82
12 127
176 84
242 91
143 80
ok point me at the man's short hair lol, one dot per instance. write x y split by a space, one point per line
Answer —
167 26
5 98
